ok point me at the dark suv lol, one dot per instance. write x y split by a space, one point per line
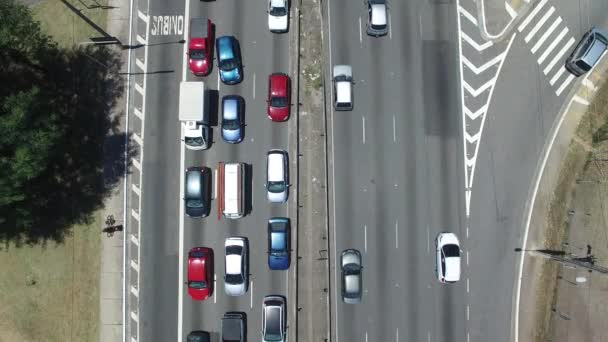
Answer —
197 191
587 53
234 327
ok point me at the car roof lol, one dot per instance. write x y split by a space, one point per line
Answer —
233 264
343 92
194 180
277 3
278 84
378 14
197 265
229 105
595 51
452 269
224 44
276 170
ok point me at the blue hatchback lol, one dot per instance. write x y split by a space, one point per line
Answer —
229 60
278 243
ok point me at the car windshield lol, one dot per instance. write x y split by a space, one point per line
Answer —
230 124
228 64
278 11
197 284
234 279
278 101
194 203
451 251
234 250
277 245
276 187
197 54
198 141
378 27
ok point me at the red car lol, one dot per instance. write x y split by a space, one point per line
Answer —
200 273
199 46
279 97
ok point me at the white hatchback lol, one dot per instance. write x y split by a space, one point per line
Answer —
343 87
448 258
277 176
278 15
236 278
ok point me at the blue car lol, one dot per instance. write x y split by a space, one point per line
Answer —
278 243
232 119
229 60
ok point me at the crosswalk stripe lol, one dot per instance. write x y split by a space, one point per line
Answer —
510 10
557 75
529 17
559 55
552 46
546 34
539 24
564 85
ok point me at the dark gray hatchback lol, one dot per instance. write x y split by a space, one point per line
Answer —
587 52
197 191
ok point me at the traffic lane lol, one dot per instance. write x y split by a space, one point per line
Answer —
159 254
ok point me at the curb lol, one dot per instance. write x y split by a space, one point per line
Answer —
581 95
515 13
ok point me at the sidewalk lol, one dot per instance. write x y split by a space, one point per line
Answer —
111 278
547 230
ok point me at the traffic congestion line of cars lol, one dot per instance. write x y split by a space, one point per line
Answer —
232 176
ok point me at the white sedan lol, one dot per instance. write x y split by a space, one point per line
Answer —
236 279
278 15
448 258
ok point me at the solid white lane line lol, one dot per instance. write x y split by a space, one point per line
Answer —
251 294
254 85
564 85
546 34
396 234
365 237
360 33
214 288
557 75
552 46
559 55
218 81
363 121
539 24
531 16
214 183
394 130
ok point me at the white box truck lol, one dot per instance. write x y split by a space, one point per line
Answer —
194 115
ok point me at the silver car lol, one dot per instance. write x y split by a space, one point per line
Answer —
343 87
236 276
377 18
587 52
352 278
273 319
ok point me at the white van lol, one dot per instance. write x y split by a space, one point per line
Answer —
233 201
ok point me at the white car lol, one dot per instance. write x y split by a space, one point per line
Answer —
343 87
236 279
377 22
278 15
448 258
277 177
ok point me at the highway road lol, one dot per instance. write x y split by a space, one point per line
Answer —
163 316
396 174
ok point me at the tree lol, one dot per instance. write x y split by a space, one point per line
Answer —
55 116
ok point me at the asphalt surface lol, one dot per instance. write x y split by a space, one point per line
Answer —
263 53
397 171
520 116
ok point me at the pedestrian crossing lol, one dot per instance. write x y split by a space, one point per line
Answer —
550 39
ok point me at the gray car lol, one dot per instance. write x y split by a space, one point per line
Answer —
232 119
377 18
352 278
197 191
587 52
273 319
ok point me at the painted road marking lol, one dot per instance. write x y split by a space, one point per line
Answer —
365 237
474 44
390 27
254 85
552 46
214 288
510 10
167 25
218 81
559 55
251 295
564 85
546 34
394 130
363 120
557 75
360 33
396 234
467 15
539 24
529 17
468 289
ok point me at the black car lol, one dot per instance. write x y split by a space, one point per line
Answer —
234 327
198 336
587 52
197 191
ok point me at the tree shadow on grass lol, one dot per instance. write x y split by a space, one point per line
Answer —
87 161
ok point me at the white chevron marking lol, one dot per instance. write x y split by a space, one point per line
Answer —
474 138
476 114
470 161
489 64
468 15
476 92
474 44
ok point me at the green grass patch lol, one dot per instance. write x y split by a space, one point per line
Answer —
51 292
65 26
